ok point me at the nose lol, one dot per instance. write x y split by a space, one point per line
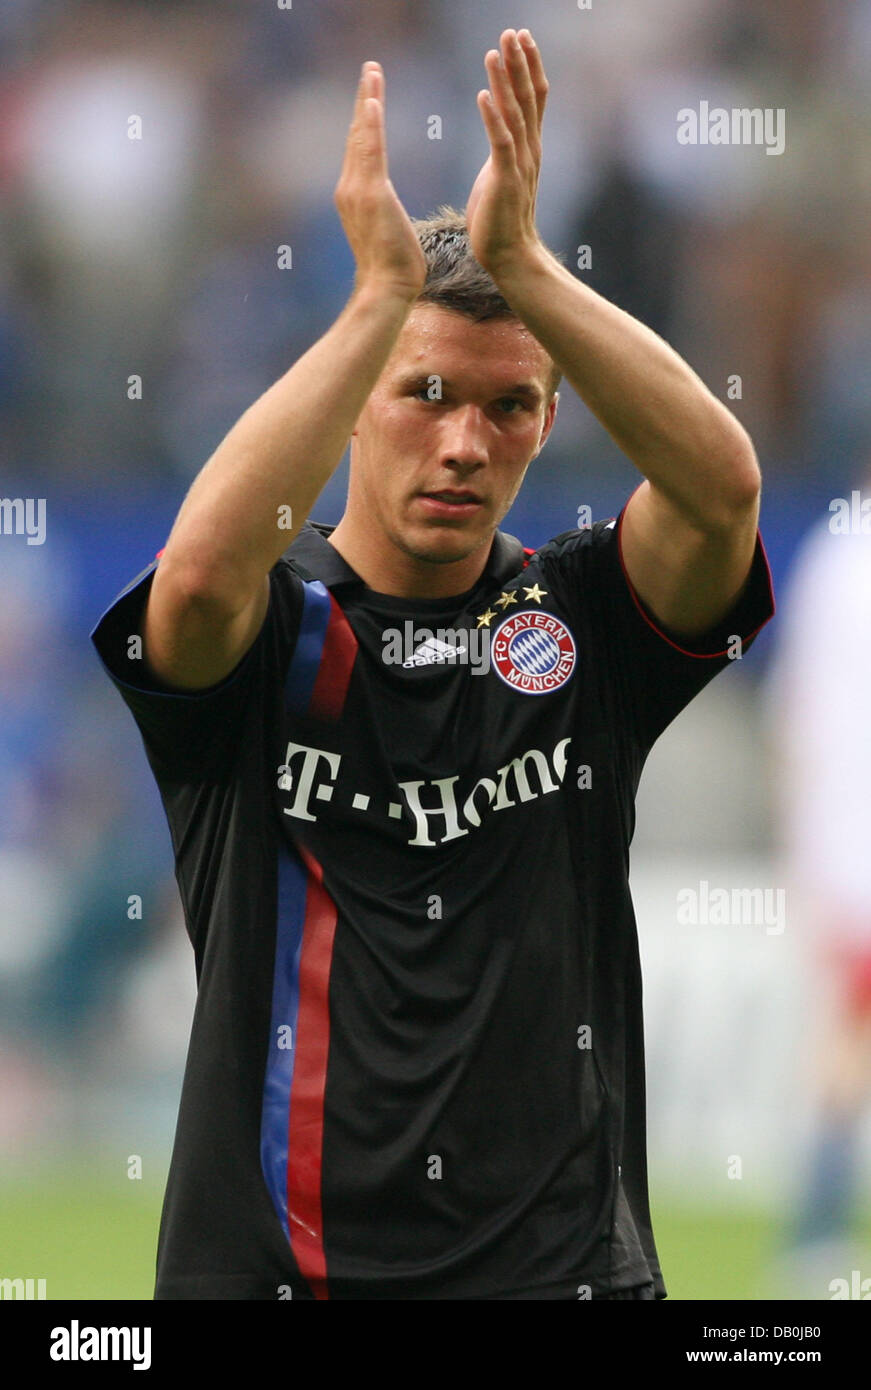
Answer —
464 438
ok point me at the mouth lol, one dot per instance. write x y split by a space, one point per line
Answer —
456 502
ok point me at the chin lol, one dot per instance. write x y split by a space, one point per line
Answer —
441 545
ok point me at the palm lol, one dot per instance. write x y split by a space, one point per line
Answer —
500 213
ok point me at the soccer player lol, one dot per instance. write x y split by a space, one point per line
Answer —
416 1066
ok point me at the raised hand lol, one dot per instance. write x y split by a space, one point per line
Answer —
378 228
500 213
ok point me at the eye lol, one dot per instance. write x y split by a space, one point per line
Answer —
512 400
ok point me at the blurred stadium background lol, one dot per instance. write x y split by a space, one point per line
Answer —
158 257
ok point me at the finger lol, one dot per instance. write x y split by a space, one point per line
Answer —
502 148
539 81
370 84
517 67
364 89
370 75
374 140
503 95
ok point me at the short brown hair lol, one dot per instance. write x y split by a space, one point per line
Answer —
455 280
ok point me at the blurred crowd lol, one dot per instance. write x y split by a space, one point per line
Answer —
153 160
157 255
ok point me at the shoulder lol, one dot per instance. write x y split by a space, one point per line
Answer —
573 545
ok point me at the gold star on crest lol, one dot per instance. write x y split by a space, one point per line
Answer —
535 593
484 619
507 596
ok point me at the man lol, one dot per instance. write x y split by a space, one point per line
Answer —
416 1067
822 741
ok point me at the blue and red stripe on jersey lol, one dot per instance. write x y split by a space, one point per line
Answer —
292 1122
326 648
292 1125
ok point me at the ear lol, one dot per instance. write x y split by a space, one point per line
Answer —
547 425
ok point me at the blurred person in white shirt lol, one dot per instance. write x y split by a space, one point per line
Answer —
822 732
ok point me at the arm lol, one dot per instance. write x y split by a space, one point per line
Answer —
210 591
689 531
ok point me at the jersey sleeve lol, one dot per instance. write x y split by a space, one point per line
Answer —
648 674
193 734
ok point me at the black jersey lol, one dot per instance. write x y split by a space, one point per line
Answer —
401 833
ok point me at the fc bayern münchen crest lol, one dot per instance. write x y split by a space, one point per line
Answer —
533 652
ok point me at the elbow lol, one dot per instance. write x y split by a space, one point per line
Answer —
747 479
195 586
740 490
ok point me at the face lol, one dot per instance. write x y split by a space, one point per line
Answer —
446 436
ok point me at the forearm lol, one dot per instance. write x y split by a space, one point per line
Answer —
657 410
233 524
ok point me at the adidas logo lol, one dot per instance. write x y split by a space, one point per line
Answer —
431 651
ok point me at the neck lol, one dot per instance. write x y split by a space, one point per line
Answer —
387 569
